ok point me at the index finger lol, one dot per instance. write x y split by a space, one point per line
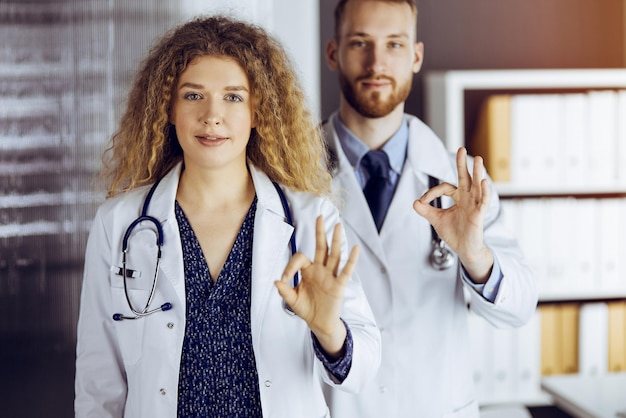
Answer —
465 180
297 262
439 190
335 249
321 246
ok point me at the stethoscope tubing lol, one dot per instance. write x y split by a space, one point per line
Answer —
144 217
441 257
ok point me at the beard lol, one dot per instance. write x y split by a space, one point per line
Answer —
372 105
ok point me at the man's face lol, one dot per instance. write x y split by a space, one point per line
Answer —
376 55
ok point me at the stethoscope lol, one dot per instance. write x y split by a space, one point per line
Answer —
441 257
140 313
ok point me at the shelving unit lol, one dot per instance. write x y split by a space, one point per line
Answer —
573 315
446 102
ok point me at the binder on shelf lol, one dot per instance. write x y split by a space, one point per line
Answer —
491 140
593 339
617 336
620 279
585 252
569 337
528 360
609 249
549 144
533 239
480 333
575 139
561 239
602 144
504 363
559 339
621 137
550 340
534 132
511 214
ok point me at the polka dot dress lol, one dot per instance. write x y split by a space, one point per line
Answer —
218 376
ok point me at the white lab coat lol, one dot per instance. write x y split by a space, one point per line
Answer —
130 368
426 370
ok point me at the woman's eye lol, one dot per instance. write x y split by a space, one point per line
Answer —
192 96
234 98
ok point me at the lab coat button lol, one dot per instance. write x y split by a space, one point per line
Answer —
170 325
162 391
383 270
268 383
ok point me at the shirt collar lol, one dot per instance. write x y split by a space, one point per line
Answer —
355 149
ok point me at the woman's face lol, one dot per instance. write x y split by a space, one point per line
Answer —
212 113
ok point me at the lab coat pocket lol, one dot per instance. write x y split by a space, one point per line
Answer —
134 290
129 331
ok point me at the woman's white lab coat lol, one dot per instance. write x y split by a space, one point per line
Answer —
426 370
130 368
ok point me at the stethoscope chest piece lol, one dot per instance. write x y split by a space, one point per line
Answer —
441 257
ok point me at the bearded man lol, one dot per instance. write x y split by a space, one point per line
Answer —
418 259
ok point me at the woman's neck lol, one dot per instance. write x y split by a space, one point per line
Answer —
215 189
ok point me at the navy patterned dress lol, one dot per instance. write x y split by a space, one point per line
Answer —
218 376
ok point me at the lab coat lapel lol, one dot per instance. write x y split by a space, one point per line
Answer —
409 189
352 203
422 150
270 248
425 152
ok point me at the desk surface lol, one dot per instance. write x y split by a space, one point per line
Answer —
602 396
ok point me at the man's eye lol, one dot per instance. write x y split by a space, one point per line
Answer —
358 44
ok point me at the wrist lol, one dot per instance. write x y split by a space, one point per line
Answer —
331 339
478 266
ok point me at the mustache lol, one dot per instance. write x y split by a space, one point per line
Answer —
375 77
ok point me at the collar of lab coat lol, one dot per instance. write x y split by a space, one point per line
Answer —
162 203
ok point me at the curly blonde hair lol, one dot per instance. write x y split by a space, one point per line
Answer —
286 144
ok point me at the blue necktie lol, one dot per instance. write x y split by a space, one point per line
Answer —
378 189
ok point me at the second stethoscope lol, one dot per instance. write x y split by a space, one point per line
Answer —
441 257
125 272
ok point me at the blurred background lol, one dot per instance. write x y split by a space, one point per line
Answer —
65 67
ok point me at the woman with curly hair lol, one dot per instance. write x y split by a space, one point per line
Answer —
217 229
